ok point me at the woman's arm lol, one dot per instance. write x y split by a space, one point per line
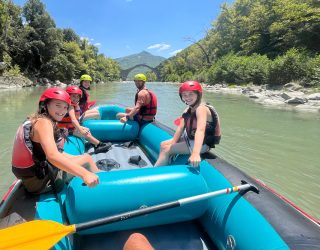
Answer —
75 122
43 134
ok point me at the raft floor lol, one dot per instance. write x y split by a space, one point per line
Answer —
179 236
121 154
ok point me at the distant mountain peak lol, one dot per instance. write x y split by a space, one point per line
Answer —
145 53
142 57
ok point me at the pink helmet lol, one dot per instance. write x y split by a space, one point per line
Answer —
74 90
55 93
190 86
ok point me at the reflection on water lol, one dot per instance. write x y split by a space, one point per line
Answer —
281 148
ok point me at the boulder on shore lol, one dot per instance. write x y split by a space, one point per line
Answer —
292 96
9 82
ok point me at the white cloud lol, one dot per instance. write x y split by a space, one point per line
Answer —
84 38
173 53
97 44
159 46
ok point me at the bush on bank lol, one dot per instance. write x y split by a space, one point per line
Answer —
294 66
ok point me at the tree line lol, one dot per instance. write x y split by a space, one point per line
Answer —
32 45
254 41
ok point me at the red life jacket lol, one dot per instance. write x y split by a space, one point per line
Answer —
24 162
66 121
22 147
212 132
149 111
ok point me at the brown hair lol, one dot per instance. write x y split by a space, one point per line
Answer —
43 113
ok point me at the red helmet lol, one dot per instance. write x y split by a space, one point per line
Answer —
190 86
55 93
74 90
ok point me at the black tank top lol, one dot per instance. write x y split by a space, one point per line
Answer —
38 153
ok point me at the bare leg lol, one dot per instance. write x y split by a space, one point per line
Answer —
92 139
167 149
91 114
88 137
137 241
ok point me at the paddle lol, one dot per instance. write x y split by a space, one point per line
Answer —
43 234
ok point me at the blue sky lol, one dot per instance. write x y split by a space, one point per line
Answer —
123 27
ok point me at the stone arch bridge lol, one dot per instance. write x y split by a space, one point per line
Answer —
125 72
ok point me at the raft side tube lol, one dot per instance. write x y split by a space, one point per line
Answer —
270 220
109 112
127 190
113 130
231 219
150 138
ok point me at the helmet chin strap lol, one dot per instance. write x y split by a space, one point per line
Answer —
85 87
194 105
81 86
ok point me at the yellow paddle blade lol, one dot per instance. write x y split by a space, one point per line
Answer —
34 235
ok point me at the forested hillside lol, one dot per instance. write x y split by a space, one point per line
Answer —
32 45
252 41
255 41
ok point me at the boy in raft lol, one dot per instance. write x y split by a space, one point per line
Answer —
84 103
71 121
199 125
145 108
37 157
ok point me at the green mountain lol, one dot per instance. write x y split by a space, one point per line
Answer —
143 57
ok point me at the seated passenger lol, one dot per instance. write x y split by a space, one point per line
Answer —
71 121
200 128
145 107
38 157
85 103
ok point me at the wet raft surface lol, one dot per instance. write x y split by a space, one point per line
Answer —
121 156
185 235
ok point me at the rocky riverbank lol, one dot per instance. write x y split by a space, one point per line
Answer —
12 82
291 96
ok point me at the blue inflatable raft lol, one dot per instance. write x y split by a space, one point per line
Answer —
255 219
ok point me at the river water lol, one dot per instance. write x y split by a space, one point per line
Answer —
281 148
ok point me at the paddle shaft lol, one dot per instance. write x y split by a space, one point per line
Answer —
155 208
42 234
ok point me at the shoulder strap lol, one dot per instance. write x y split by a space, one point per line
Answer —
213 112
27 126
